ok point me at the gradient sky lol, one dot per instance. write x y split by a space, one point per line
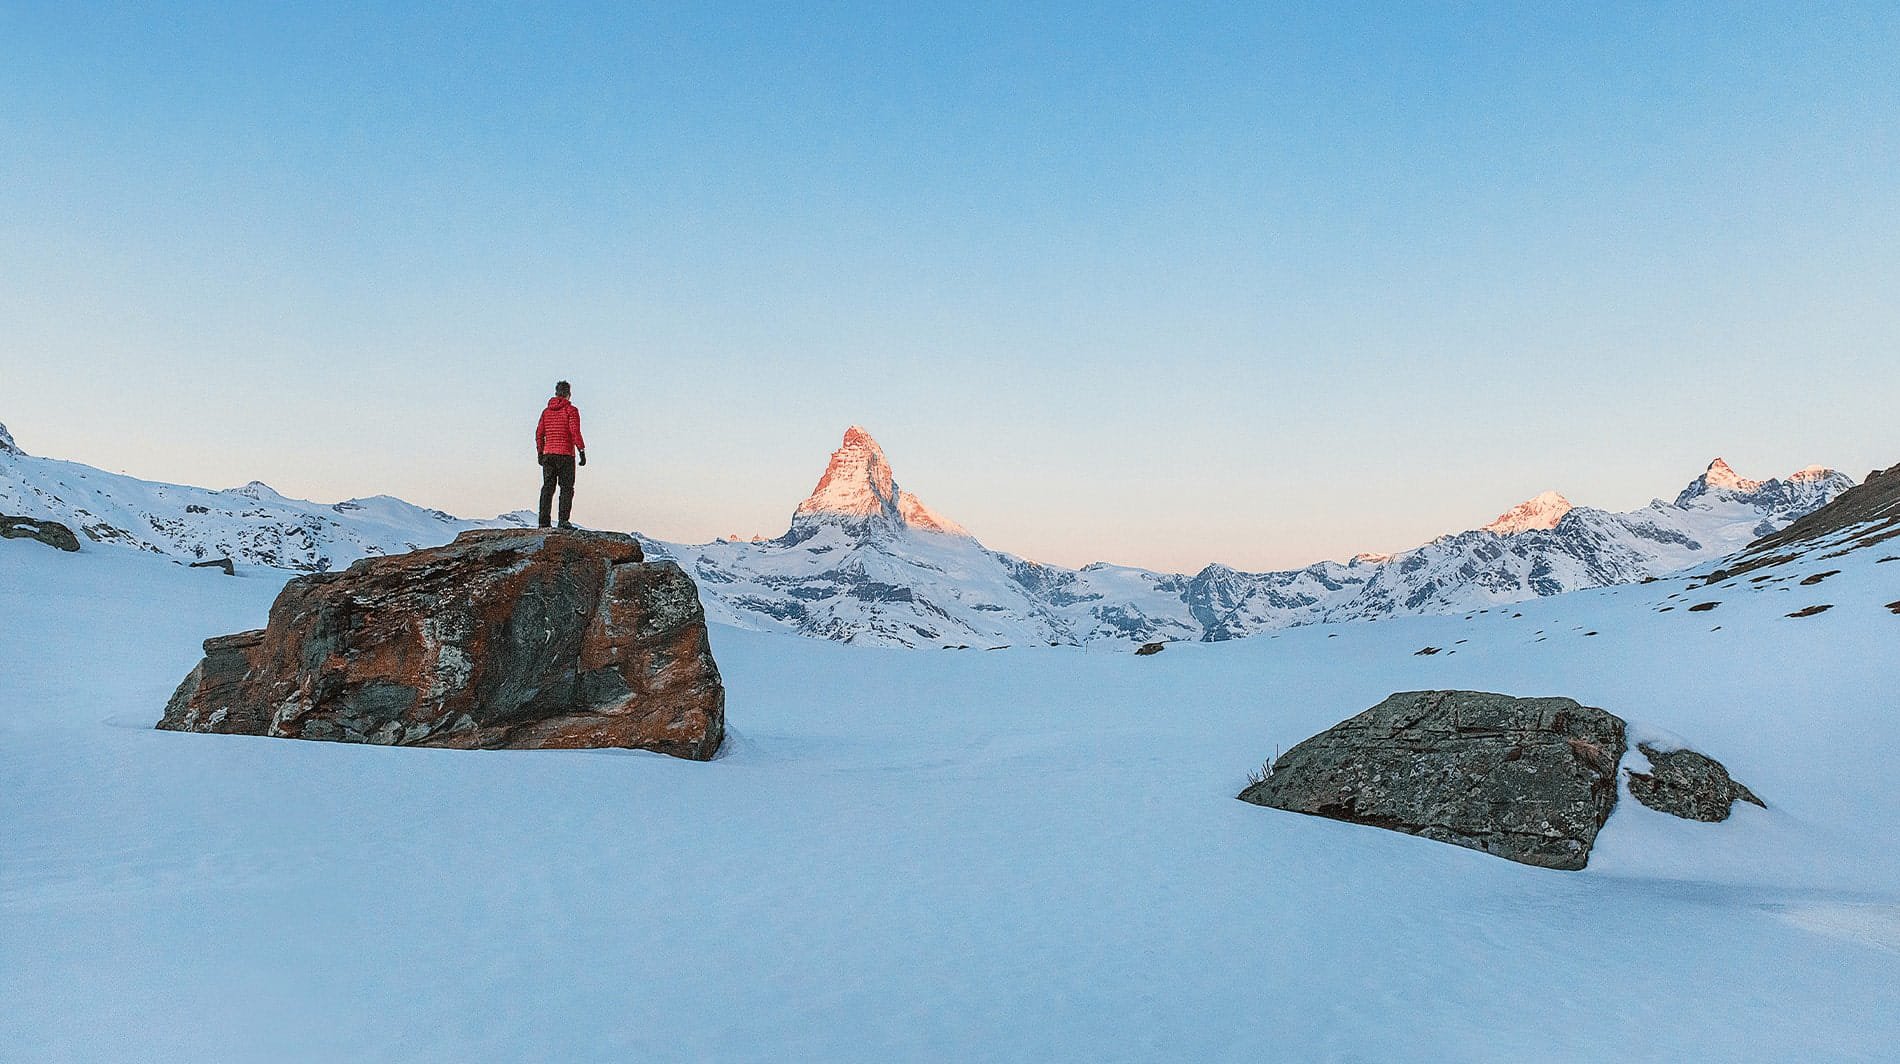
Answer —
1157 283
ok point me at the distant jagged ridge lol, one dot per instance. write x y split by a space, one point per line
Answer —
251 525
858 566
865 561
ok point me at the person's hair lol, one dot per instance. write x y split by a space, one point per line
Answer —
563 389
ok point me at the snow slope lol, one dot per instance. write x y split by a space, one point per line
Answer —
252 525
1031 854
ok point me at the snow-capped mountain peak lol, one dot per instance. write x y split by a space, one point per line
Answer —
857 487
7 446
260 491
1785 499
857 481
1541 511
1720 475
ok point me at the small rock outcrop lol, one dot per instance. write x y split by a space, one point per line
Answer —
217 563
1146 649
1687 784
503 639
51 533
1528 779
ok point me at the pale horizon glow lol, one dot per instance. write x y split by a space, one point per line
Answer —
1160 287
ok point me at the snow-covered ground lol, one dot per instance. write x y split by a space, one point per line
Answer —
1028 854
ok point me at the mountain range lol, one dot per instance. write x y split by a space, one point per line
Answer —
865 561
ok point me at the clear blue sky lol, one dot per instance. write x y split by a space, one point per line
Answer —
1160 284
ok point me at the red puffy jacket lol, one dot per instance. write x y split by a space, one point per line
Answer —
560 429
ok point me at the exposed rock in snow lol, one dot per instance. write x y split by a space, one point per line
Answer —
1686 784
504 638
1542 511
1528 779
51 533
7 446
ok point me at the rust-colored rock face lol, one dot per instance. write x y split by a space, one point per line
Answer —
502 639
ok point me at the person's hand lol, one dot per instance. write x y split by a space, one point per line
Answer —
583 457
540 459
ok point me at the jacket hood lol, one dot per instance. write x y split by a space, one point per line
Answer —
557 402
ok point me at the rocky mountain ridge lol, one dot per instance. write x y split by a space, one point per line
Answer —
865 561
867 573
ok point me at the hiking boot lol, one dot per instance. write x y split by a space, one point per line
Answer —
566 524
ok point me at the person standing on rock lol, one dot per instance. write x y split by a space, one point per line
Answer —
557 444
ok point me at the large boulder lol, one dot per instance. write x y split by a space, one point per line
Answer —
51 533
505 638
1530 779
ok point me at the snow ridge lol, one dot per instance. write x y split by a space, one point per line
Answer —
252 525
866 562
904 589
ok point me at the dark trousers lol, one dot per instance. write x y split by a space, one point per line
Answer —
557 470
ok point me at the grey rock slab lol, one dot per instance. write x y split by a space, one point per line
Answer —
1528 779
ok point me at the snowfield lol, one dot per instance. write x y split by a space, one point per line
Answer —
1026 854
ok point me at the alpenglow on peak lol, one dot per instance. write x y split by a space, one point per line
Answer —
1719 475
857 488
1541 511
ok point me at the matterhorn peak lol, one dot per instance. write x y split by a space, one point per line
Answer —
1540 511
7 446
857 487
